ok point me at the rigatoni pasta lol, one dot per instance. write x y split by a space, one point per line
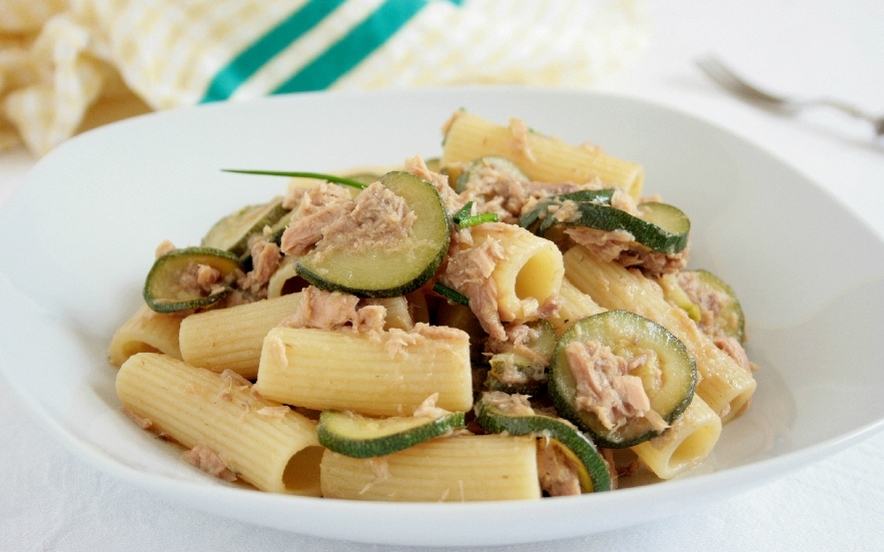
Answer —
229 430
456 469
231 338
573 306
507 273
145 331
542 158
380 375
482 326
685 444
528 274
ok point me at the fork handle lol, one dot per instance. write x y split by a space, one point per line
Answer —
878 122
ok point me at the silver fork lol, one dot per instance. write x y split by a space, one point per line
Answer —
734 83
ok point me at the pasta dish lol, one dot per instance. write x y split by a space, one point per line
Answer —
514 319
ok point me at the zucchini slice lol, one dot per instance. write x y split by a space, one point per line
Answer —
675 294
541 208
667 371
171 285
362 437
511 371
471 173
434 164
716 296
665 228
387 269
277 229
675 225
495 417
232 232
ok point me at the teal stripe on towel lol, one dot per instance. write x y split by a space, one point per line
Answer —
348 52
265 48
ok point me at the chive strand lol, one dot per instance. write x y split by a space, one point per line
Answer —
478 219
451 294
464 212
464 217
302 174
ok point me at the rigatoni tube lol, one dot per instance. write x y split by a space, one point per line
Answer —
231 338
145 331
450 469
507 273
683 445
383 374
573 305
260 441
541 158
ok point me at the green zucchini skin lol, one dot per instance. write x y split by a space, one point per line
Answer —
388 272
162 290
360 437
278 228
532 384
667 221
624 332
471 172
595 475
505 361
730 319
541 209
232 233
668 233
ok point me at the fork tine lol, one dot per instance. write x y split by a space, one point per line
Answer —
726 77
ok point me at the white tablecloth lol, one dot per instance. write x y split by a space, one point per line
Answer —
51 500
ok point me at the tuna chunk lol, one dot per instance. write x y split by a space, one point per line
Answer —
265 262
208 460
318 207
469 271
329 219
329 310
557 471
379 219
620 246
450 199
605 387
519 130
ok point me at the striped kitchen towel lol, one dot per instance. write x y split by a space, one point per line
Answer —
63 62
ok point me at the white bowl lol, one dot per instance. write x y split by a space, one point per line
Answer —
77 240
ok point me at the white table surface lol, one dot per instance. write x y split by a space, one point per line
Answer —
51 500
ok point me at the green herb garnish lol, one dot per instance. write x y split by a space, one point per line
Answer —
451 294
300 174
464 218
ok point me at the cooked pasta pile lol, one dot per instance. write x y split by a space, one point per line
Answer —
511 320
